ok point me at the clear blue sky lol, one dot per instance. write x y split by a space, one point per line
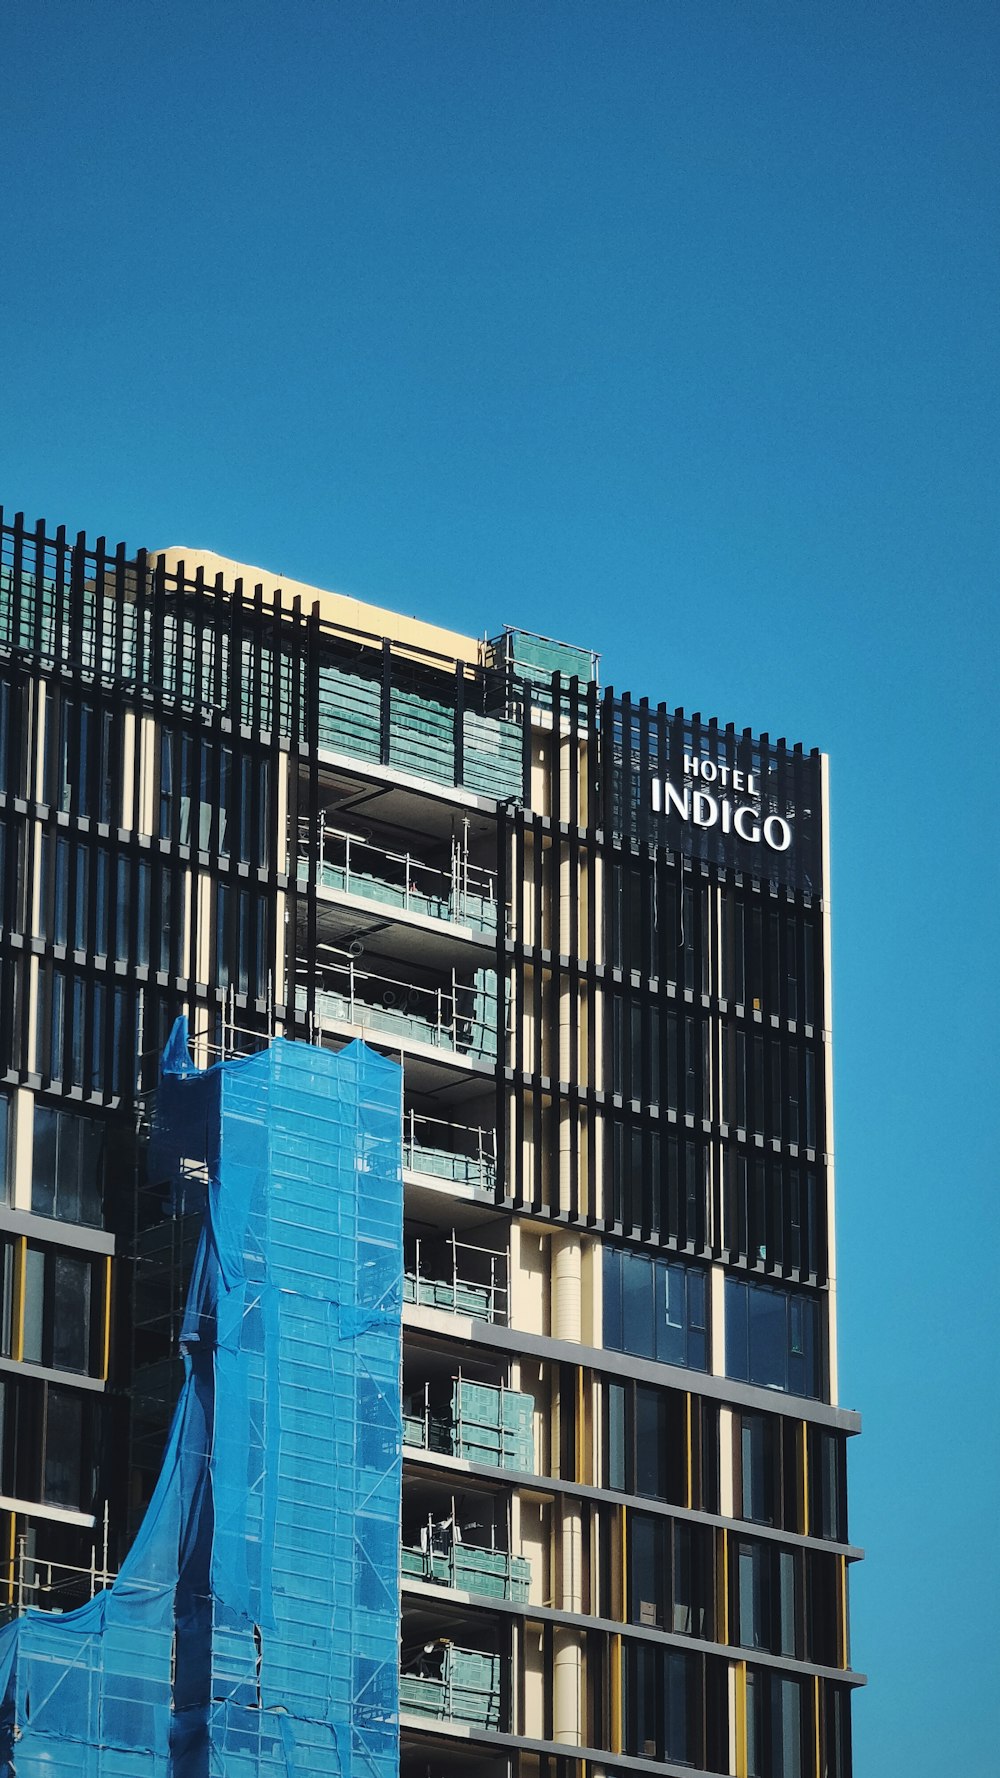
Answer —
669 326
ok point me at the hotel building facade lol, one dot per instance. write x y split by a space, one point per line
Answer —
594 934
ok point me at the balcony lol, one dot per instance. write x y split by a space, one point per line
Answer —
460 1538
442 1272
456 1017
452 1684
479 1422
457 1154
492 1573
462 894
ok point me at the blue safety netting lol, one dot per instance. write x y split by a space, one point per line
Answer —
253 1629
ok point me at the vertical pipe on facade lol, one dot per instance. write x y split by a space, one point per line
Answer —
571 1556
567 1666
565 1113
567 1286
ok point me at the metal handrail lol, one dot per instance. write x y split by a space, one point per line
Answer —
455 890
449 1013
482 1150
496 1291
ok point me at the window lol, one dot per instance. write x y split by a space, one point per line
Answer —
254 778
661 1444
15 901
175 787
223 896
142 906
53 921
671 1575
827 1483
769 1473
64 1420
776 1723
49 1443
672 1705
123 897
67 1166
772 1337
771 1212
61 1294
769 960
756 1463
655 1308
768 1589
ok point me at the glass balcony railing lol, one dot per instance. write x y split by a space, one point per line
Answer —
464 894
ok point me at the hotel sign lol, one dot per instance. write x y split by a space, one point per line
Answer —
733 803
738 802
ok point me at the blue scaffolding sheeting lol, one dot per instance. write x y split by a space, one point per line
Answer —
253 1629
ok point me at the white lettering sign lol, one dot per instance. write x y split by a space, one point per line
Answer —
704 808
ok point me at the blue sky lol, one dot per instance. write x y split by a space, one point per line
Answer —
669 326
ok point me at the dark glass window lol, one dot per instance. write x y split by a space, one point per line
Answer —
827 1484
53 922
225 799
655 1427
776 1726
769 956
78 935
662 1445
123 895
769 1472
756 1468
166 783
767 1583
671 1575
772 1337
67 1166
53 1063
206 795
6 704
254 776
142 911
222 934
663 1704
49 1443
64 1426
109 775
13 876
655 1308
176 763
168 947
771 1212
616 1436
61 1294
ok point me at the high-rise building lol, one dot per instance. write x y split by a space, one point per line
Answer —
595 936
